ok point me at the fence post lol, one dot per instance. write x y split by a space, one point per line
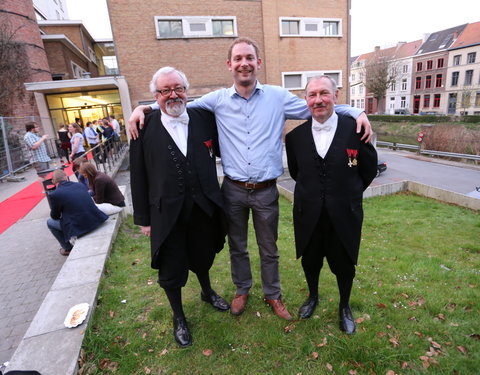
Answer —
7 148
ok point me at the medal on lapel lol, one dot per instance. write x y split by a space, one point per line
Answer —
209 145
352 157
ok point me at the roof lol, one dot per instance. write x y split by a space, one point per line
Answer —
441 40
407 49
470 36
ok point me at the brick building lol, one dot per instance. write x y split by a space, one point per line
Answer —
297 40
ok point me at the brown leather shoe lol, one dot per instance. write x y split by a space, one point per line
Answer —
238 304
279 308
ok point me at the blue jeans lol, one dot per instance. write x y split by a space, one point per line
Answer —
56 229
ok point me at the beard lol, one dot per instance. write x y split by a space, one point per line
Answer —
175 107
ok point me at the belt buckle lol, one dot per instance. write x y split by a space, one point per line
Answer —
250 185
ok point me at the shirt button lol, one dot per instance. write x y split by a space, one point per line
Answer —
170 147
177 165
172 153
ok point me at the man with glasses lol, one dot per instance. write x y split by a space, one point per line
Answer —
176 196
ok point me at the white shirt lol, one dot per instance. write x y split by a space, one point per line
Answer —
177 127
323 138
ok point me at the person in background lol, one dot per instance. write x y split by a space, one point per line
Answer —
93 140
77 163
332 167
76 141
73 212
64 137
38 151
116 127
105 189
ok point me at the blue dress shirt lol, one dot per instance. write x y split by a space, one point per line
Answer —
250 130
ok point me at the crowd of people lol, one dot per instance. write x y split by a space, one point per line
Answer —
178 203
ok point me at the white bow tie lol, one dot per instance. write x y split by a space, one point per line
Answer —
180 120
321 127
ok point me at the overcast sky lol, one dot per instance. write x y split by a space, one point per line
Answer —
374 22
385 22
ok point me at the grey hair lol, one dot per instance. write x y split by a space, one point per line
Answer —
166 70
322 76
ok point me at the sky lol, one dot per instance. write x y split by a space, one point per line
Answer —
384 23
381 23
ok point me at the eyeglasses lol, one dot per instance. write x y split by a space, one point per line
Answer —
168 92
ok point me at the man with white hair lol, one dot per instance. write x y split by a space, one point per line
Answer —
176 196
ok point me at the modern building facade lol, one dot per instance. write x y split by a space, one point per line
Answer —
297 40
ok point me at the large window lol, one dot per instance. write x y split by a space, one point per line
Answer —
468 77
310 27
428 82
429 64
436 101
477 99
418 83
195 27
405 69
426 101
298 80
438 82
403 102
455 76
419 66
440 63
471 57
404 84
456 60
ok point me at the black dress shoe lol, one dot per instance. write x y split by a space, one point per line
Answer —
347 324
215 300
181 333
308 307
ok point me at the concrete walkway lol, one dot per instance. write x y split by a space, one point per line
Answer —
30 262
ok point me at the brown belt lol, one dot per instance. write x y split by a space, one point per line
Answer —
253 186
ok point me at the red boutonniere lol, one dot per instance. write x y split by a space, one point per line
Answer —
209 145
352 157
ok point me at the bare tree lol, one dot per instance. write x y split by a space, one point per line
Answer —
465 95
14 67
380 73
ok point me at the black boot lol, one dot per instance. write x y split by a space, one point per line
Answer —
308 307
180 332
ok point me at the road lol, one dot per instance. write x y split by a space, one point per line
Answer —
403 165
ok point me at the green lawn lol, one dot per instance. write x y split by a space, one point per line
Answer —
415 299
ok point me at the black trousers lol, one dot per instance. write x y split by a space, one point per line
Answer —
325 243
190 245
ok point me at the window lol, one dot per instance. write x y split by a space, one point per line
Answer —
426 101
466 96
418 83
436 101
310 27
361 76
330 27
362 103
222 27
455 76
393 71
468 77
429 64
438 82
477 99
419 66
456 60
298 80
403 102
291 27
352 90
404 84
77 70
393 86
471 57
352 78
195 27
352 103
360 89
358 103
405 69
428 82
440 63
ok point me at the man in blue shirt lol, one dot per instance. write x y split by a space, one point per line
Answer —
250 119
39 156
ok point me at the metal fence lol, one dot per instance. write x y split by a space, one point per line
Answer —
15 155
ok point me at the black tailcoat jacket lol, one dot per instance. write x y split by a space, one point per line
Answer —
330 183
161 176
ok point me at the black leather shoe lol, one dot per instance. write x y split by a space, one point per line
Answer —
308 308
215 300
181 333
347 324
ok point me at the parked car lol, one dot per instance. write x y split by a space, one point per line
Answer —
381 167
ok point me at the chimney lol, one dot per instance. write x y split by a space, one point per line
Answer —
377 48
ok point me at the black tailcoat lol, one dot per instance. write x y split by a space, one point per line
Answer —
330 183
162 177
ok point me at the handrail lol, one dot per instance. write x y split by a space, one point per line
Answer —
395 145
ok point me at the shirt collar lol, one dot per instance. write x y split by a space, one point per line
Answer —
232 91
332 121
182 119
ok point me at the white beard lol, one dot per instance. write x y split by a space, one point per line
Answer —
175 109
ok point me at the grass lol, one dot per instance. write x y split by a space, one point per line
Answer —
415 299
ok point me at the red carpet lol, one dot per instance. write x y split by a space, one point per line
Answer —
20 204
